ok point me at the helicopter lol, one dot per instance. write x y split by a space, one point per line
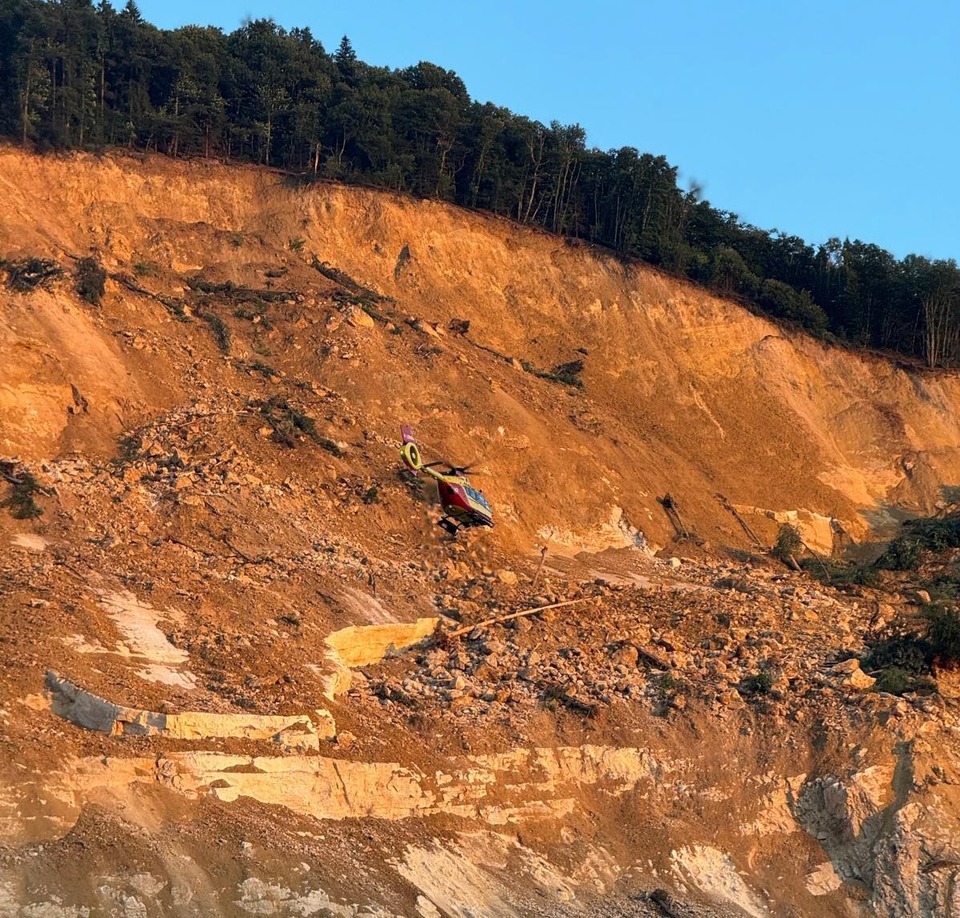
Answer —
464 507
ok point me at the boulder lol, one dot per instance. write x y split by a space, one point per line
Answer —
850 674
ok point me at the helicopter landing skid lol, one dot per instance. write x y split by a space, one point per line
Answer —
448 525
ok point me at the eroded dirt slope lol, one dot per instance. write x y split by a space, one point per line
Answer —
684 393
196 718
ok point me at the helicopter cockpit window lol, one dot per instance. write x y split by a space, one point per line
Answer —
475 495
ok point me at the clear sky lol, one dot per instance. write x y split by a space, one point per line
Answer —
816 118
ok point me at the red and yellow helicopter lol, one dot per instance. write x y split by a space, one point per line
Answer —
463 506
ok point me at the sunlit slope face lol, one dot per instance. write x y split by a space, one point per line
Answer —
222 671
586 389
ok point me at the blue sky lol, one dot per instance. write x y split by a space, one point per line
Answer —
818 119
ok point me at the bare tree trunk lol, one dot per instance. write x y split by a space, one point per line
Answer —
536 157
941 327
26 96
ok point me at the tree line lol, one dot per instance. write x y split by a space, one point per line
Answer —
74 75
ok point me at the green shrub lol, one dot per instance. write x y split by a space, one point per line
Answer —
296 244
780 299
670 684
569 373
902 554
91 280
935 534
840 573
943 633
944 587
897 681
901 656
257 314
788 542
759 683
905 552
899 646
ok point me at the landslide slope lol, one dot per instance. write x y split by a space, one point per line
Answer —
216 443
684 393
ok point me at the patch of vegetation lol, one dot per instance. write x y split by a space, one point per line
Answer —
789 542
258 347
289 424
145 268
91 279
840 574
900 645
760 683
239 293
265 370
897 681
901 656
220 329
402 260
236 240
296 244
902 554
174 307
275 272
290 618
371 495
943 633
905 552
944 587
335 274
566 373
26 274
671 685
353 292
22 502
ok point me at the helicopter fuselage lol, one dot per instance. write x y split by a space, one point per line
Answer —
463 505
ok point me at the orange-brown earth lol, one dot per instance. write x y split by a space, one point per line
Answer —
197 548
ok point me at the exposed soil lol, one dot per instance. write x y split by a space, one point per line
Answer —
216 449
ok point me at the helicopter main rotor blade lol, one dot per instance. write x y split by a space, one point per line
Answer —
469 470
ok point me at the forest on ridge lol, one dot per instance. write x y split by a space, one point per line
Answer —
78 75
